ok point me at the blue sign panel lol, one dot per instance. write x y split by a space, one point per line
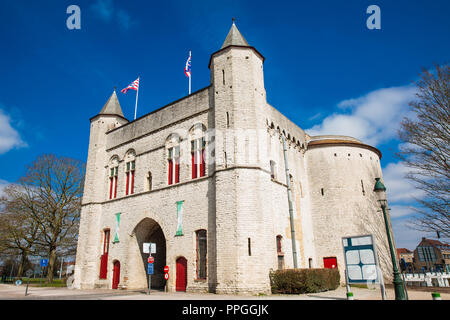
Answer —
44 262
150 268
360 259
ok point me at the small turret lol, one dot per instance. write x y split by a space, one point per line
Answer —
109 118
234 38
112 106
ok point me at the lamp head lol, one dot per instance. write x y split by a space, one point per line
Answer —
380 190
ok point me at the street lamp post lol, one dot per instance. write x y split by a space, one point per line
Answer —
380 190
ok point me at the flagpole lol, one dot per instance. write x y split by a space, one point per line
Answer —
137 94
190 74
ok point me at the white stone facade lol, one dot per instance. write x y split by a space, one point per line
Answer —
242 208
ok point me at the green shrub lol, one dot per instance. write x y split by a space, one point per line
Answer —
297 281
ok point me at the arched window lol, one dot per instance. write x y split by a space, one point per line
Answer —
201 249
198 145
173 158
113 173
130 166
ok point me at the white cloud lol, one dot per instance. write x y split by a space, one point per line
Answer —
373 118
397 211
398 187
9 137
106 10
405 236
3 184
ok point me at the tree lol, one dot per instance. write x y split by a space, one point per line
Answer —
18 232
426 149
50 195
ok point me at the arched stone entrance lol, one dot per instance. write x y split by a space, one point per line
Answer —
148 230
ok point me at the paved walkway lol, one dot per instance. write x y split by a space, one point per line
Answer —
12 292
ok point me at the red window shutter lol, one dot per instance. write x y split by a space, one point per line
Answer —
177 170
132 182
202 163
194 166
111 182
128 181
115 187
170 171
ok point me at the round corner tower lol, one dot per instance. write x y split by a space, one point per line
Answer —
341 174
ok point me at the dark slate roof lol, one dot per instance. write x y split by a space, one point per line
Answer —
234 38
112 106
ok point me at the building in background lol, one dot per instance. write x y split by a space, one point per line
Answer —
432 255
405 258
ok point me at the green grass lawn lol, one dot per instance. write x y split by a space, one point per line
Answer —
35 282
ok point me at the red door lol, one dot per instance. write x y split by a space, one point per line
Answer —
330 262
181 280
116 275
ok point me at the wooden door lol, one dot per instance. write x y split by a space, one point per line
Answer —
116 275
181 273
330 262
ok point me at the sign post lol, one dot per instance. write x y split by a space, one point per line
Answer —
149 248
28 273
166 277
44 263
149 272
361 263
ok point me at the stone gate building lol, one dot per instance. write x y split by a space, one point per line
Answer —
204 178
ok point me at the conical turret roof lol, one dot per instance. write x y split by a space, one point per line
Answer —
112 106
234 38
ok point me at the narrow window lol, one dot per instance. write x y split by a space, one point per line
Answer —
279 248
228 120
116 170
362 187
201 249
198 157
310 262
130 167
174 165
194 159
149 181
223 76
280 253
113 182
272 169
104 256
249 247
321 190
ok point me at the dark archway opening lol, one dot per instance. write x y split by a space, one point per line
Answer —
149 231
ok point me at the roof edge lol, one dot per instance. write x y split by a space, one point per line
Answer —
235 46
330 142
161 108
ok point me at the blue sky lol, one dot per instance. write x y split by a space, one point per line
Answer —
324 69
